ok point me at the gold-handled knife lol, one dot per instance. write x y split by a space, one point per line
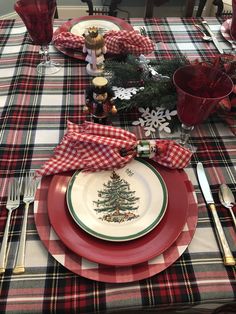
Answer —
227 254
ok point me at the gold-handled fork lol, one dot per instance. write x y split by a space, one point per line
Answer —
13 201
30 186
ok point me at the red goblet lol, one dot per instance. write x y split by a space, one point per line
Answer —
199 89
38 17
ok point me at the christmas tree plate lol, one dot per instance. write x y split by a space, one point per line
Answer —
119 205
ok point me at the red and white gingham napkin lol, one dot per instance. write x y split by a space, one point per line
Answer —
95 147
69 40
128 42
171 155
117 42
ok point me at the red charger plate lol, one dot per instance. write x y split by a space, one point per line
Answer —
120 253
122 24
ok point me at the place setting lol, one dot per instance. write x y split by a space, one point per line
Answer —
69 37
151 232
120 214
79 38
226 30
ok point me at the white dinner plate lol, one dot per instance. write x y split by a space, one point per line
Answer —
118 205
103 26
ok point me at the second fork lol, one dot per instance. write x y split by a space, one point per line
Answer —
30 186
13 202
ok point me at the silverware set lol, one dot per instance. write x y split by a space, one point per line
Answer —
227 199
30 184
212 35
13 202
209 36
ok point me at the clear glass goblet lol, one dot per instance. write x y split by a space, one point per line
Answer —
199 89
38 17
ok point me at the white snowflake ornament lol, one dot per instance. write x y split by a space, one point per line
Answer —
125 93
155 119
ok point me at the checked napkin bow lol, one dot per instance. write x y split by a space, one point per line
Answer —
117 42
95 147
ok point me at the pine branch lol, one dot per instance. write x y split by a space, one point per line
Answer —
162 94
155 93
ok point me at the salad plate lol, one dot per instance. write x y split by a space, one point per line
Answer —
118 205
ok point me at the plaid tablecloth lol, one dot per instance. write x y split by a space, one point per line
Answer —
33 114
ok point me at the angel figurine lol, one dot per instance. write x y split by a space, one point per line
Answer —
95 48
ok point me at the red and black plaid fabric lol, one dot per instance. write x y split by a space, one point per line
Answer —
34 111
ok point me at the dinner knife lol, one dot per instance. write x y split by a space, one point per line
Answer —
226 252
214 39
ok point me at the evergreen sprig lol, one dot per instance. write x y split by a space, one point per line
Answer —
123 73
155 92
153 95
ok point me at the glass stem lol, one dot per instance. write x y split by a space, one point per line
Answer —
185 133
45 52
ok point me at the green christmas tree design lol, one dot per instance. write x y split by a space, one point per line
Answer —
116 200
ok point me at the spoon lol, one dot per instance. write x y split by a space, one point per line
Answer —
227 199
205 36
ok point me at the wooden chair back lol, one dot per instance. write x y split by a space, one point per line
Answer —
189 7
149 7
109 10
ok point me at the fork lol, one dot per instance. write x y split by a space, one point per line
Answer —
13 201
30 186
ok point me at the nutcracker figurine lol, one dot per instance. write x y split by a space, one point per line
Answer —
95 48
99 100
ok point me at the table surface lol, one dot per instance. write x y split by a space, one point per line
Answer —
33 115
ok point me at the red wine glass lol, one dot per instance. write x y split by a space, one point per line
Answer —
199 89
38 17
